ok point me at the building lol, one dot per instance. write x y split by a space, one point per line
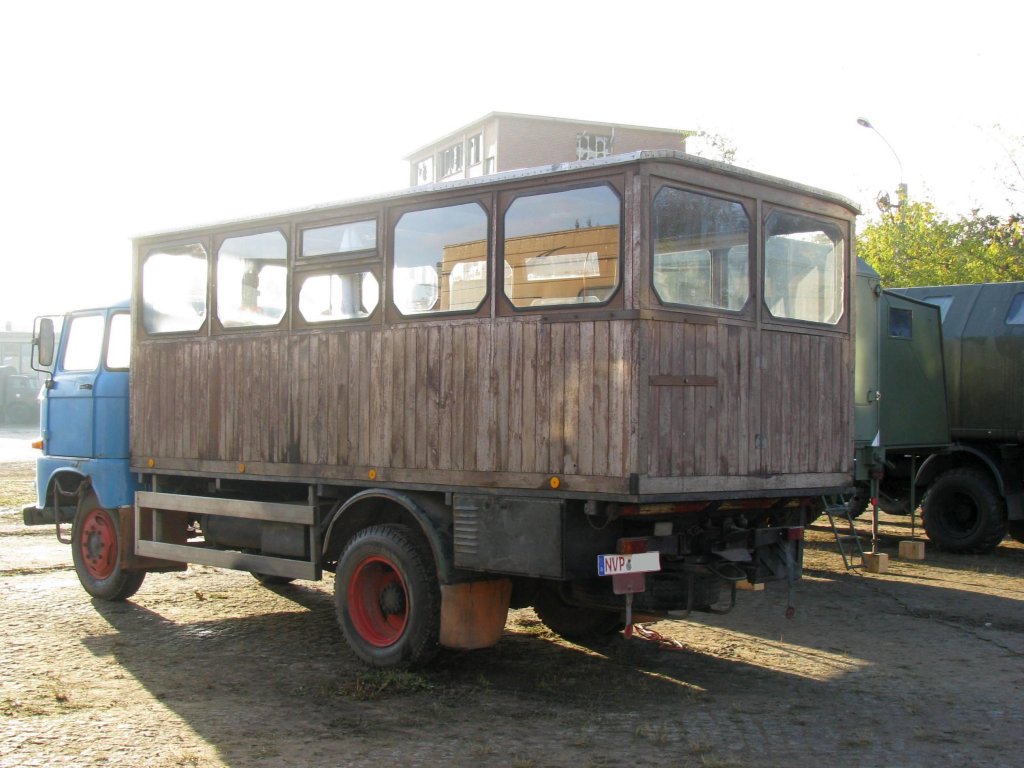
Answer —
502 141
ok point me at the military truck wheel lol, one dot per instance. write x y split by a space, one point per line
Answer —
962 512
96 552
387 597
574 622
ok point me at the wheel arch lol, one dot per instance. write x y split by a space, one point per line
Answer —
960 456
425 513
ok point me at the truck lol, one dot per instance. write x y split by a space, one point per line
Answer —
18 395
940 414
584 388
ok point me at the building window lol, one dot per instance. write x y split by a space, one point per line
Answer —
425 171
476 149
589 146
452 161
338 296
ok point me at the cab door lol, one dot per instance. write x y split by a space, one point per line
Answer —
86 399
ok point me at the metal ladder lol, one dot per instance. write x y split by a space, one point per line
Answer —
847 540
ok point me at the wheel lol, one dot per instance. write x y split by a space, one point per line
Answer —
574 622
387 597
962 512
96 548
267 580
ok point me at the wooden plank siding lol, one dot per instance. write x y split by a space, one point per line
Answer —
510 396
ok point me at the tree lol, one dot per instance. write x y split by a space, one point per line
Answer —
913 244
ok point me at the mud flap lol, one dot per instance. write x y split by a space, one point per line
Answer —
473 613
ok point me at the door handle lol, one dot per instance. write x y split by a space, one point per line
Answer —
85 386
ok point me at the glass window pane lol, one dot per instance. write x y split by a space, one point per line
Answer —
1014 317
901 323
252 276
701 250
340 238
348 296
85 342
174 289
119 345
803 270
562 247
440 260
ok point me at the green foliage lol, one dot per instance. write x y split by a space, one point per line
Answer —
914 244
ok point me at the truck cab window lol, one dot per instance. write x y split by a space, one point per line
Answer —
119 343
85 342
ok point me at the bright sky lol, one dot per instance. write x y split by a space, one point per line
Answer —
123 118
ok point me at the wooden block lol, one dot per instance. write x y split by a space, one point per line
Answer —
912 549
746 585
876 562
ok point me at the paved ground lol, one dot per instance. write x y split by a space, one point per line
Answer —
920 667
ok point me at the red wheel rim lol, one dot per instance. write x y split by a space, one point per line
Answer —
378 602
98 544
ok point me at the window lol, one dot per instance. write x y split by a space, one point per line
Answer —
338 296
589 146
425 171
119 345
85 342
440 260
340 238
562 247
803 270
252 276
476 149
1014 317
701 250
901 323
174 289
451 160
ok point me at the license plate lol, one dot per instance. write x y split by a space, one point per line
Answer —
642 562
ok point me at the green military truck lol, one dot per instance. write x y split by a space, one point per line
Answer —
974 494
940 411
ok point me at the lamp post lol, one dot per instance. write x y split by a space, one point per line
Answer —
902 191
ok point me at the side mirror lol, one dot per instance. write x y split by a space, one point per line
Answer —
44 343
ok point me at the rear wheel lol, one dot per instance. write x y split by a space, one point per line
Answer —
387 597
96 551
962 512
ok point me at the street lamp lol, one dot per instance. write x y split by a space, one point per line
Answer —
865 123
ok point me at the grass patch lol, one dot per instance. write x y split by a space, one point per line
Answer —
380 684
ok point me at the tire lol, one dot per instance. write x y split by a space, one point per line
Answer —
962 512
387 597
575 622
96 552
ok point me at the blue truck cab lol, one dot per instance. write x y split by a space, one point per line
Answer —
84 413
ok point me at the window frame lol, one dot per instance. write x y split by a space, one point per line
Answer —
754 254
507 197
767 208
213 300
393 315
139 300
